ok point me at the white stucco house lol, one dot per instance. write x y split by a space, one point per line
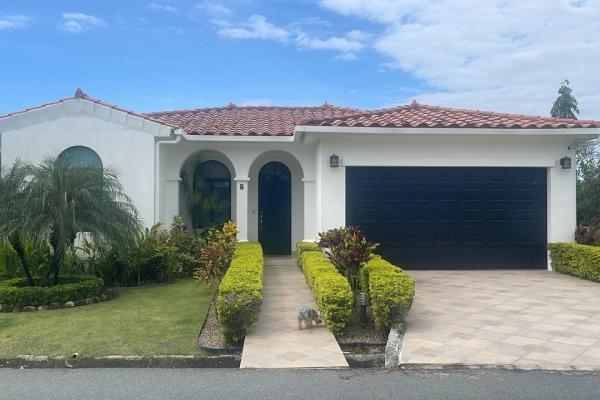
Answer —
437 187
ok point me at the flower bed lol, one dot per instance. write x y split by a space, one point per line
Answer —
241 292
17 293
576 259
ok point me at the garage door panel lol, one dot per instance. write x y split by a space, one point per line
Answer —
451 217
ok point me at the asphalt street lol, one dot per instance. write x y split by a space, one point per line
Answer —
233 384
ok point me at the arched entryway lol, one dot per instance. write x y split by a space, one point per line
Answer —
206 190
275 208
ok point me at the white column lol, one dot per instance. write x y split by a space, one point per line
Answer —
170 205
310 210
241 207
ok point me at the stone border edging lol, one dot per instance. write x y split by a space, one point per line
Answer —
171 361
508 367
106 295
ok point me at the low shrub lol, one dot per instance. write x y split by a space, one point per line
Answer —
391 290
301 247
576 259
156 255
17 292
331 289
240 294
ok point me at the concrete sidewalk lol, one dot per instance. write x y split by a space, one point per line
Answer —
276 342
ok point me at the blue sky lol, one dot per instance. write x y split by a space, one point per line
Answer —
159 55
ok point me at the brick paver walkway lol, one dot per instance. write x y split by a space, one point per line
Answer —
503 317
276 342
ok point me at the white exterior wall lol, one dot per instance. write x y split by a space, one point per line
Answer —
129 150
451 151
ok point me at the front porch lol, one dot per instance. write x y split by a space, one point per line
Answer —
268 189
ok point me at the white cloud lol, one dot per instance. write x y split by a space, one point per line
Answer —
163 7
78 22
506 55
257 27
214 9
347 45
14 22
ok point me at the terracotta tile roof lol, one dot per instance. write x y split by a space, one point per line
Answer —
422 116
235 120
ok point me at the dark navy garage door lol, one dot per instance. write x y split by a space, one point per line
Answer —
451 217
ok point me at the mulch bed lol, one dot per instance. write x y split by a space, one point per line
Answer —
361 337
211 338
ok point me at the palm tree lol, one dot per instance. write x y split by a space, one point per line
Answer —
13 193
63 200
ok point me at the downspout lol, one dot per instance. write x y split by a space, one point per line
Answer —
159 142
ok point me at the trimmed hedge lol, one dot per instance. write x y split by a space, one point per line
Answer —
331 290
391 290
301 247
576 259
241 292
16 292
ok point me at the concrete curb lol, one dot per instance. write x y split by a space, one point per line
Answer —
508 367
31 362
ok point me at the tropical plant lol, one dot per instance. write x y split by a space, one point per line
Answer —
348 249
588 234
188 243
13 194
565 105
62 201
217 254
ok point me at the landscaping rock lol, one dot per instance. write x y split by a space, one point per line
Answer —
16 309
88 301
7 308
104 297
55 306
28 309
42 308
96 300
80 303
70 304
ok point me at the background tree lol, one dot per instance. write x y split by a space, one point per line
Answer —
565 105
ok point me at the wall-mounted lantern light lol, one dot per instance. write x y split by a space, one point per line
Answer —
334 161
565 163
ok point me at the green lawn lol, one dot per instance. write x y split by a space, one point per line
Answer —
159 320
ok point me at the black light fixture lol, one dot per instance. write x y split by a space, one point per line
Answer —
565 162
334 161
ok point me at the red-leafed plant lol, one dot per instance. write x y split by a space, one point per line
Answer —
217 254
348 249
588 234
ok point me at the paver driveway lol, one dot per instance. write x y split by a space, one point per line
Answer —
503 317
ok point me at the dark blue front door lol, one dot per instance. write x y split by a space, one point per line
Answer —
275 209
439 217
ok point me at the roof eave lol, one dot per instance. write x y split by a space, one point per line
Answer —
83 108
312 129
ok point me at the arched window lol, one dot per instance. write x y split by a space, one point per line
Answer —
209 200
79 156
